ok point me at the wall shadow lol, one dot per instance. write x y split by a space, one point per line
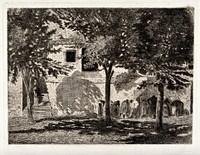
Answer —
77 95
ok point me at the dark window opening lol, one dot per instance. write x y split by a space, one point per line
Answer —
85 60
71 56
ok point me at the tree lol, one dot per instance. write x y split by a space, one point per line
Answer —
29 43
165 51
110 35
155 42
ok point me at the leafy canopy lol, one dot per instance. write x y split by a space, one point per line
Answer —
110 33
29 43
166 46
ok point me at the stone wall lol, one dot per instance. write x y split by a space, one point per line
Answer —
82 91
74 91
184 95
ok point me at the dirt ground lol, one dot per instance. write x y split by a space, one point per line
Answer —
66 130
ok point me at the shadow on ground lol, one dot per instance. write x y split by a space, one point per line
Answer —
129 131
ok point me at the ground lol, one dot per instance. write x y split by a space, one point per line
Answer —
70 130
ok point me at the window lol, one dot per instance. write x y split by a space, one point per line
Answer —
85 61
71 56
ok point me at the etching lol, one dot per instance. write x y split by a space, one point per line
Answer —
100 75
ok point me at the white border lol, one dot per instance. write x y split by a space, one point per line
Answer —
96 149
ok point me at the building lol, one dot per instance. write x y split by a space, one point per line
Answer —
82 91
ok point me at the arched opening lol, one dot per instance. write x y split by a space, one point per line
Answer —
151 108
178 108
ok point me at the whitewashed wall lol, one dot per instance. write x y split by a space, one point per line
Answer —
98 78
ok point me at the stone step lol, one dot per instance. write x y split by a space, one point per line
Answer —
41 108
42 113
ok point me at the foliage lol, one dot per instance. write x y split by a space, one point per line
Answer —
165 52
125 78
29 43
114 27
166 48
110 34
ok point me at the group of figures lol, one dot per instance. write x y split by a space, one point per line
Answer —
142 108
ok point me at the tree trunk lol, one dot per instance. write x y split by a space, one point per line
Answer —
29 88
109 72
30 104
24 96
107 100
191 98
159 107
